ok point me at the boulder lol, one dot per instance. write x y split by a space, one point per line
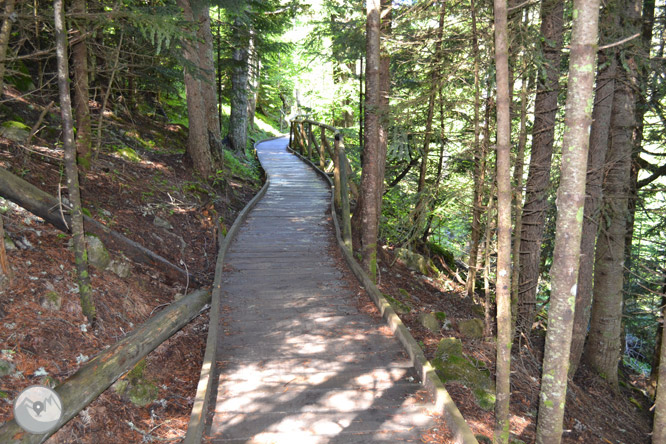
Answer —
430 321
162 223
98 255
6 367
413 261
453 366
51 300
471 328
15 131
120 268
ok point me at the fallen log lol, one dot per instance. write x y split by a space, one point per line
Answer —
49 208
92 379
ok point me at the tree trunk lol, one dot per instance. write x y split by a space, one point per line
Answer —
543 131
198 148
201 11
659 427
604 346
5 268
426 195
239 83
479 164
71 169
386 18
254 66
601 118
81 107
518 172
371 169
570 201
5 33
503 284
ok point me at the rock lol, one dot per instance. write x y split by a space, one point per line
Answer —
430 321
120 268
453 366
413 261
9 244
15 131
471 328
98 255
51 300
135 387
6 367
162 223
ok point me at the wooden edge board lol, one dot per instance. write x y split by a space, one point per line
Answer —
462 434
197 422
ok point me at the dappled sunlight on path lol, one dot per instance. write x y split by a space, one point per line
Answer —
297 362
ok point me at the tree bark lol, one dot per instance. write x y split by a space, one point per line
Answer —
201 11
386 17
659 427
479 164
604 345
5 32
370 164
543 132
239 83
198 148
71 169
81 106
503 284
518 172
601 118
570 201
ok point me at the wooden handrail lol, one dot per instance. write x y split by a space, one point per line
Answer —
302 139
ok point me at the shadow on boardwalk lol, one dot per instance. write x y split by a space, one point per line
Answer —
297 362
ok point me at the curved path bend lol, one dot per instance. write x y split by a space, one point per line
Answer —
296 361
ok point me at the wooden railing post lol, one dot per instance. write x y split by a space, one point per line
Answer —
309 136
344 190
337 164
291 132
322 153
301 136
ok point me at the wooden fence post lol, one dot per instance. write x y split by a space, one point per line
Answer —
309 137
338 166
302 138
344 191
322 153
291 134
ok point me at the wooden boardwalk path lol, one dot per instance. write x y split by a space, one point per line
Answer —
296 360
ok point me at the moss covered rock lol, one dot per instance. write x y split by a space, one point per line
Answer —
471 328
15 131
98 255
453 366
51 300
430 321
136 388
413 260
6 367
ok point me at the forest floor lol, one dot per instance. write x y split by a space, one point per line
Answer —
139 186
594 412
